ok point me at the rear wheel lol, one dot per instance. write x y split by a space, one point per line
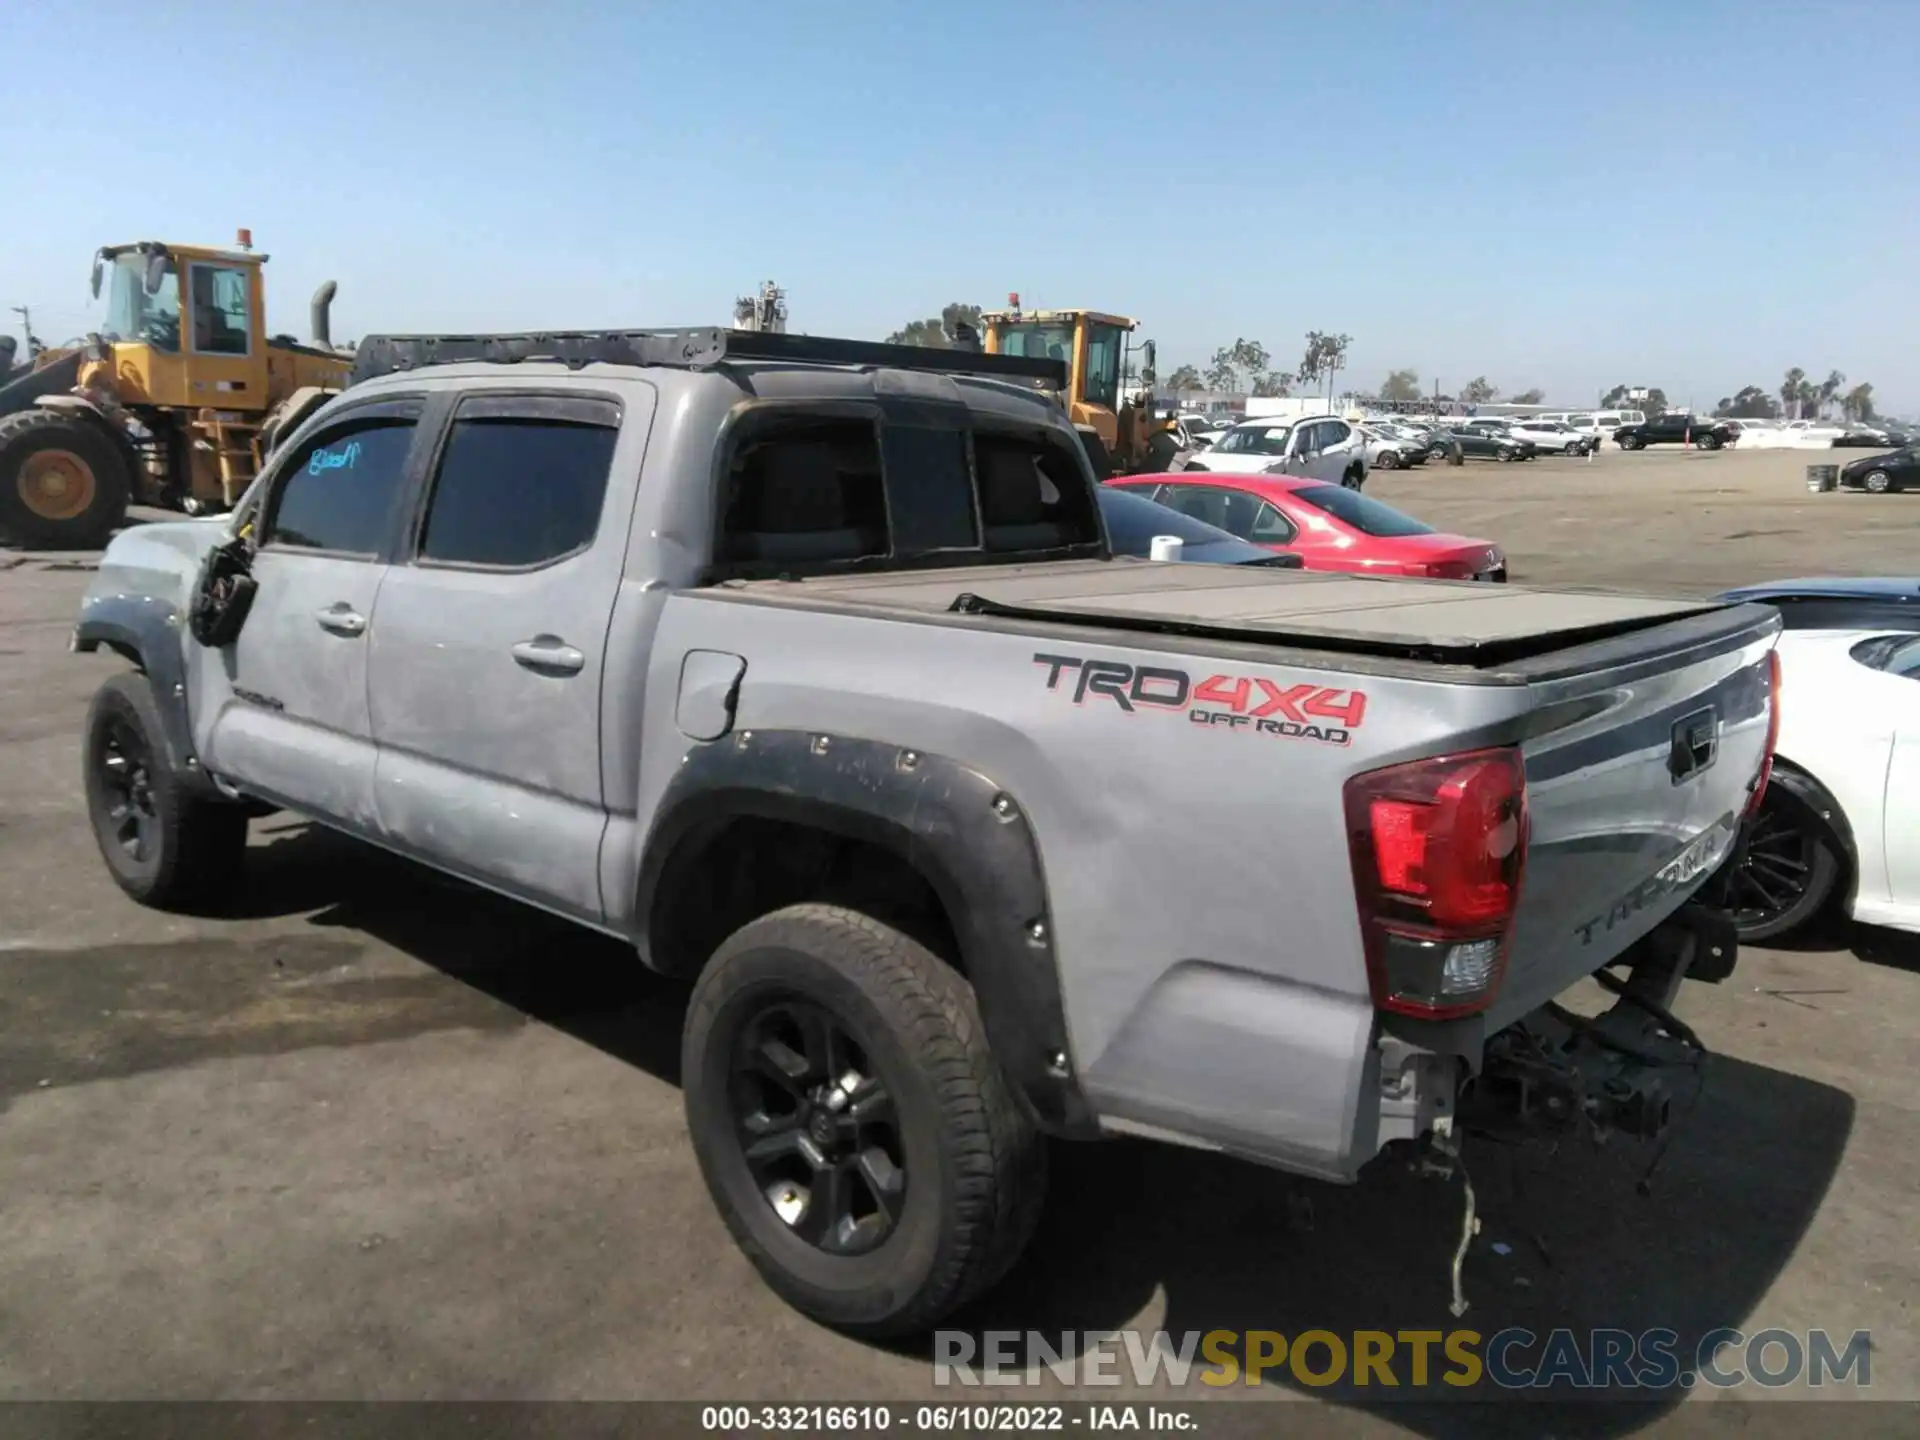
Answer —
857 1136
1630 442
1878 481
64 482
1786 874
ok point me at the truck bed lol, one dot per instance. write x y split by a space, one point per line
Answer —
1441 622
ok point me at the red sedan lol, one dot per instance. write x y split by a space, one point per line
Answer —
1328 526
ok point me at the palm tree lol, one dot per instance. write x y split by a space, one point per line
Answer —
1829 388
1790 391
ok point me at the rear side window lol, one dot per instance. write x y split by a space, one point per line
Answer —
1362 512
339 488
805 491
1034 494
517 491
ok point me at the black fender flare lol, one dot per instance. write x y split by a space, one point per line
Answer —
967 835
1821 808
149 633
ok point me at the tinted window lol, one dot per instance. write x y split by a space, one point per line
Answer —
1270 527
1333 432
805 491
931 489
1254 440
220 310
1366 515
517 491
1133 521
339 488
1240 515
1035 493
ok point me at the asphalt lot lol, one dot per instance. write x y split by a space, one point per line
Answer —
376 1135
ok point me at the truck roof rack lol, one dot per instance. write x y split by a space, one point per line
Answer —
691 349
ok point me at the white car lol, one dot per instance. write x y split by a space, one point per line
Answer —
1389 449
1318 447
1841 816
1550 437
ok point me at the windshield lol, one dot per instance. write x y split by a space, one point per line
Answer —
1367 516
132 314
1133 521
1039 342
1254 440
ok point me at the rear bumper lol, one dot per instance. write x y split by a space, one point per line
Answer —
1316 1084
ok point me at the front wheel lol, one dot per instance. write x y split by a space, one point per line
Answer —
1708 442
1572 447
1629 442
857 1136
165 845
1506 457
1787 872
64 481
1878 481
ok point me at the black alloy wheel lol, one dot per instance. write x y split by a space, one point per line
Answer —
816 1125
124 762
1787 871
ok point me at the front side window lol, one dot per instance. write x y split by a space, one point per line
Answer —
337 491
517 492
134 315
220 309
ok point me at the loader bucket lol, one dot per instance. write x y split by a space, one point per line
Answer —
25 390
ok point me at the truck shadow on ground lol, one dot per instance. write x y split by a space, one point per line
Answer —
1177 1240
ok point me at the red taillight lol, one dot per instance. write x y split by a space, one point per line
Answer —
1438 847
1773 733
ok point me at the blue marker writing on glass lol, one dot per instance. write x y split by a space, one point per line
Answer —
334 460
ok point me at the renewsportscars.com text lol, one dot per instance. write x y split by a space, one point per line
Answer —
1511 1359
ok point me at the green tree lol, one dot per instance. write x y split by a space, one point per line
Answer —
1401 387
1238 367
1655 402
1530 397
1273 382
1857 403
1185 378
1478 391
1749 402
1325 357
938 334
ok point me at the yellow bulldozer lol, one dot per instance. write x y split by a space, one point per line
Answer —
1114 423
174 402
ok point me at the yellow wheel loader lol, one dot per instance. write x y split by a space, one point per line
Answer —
173 403
1114 424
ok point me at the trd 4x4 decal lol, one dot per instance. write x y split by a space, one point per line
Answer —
1236 702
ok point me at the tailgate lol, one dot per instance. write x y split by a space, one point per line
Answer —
1641 754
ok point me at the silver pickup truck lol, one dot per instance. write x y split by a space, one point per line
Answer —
804 666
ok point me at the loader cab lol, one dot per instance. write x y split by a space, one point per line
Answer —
1094 346
187 326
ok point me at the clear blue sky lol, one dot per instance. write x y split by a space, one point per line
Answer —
1692 194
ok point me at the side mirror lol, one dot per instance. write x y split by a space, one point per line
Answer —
159 266
99 269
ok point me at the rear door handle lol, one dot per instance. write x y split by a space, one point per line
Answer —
341 618
548 655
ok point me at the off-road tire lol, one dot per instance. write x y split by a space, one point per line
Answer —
975 1164
197 842
33 432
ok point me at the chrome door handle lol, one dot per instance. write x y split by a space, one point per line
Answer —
548 654
341 619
